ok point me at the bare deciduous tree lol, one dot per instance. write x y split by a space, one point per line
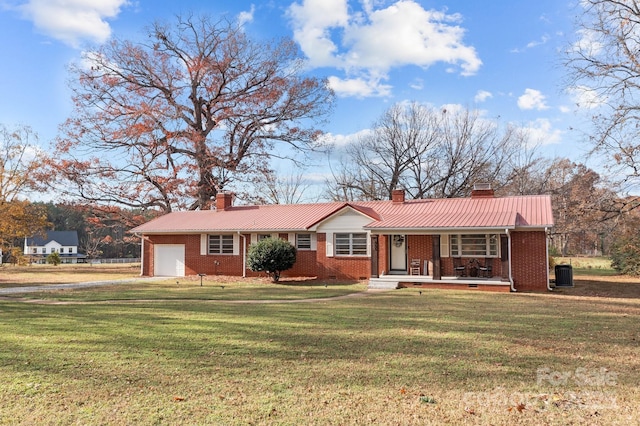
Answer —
169 121
604 66
429 152
271 188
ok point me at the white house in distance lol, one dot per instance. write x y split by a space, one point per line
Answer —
65 243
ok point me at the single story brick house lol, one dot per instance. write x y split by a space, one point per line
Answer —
481 242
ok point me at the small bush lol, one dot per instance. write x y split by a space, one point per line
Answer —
54 259
271 255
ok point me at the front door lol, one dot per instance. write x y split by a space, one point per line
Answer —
398 254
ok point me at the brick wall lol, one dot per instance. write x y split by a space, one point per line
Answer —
195 263
529 261
338 267
221 264
305 266
420 247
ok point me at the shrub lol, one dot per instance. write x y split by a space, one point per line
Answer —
625 255
54 259
271 255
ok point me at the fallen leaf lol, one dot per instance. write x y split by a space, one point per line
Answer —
520 407
178 398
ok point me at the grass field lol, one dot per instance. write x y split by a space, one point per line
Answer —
17 276
178 353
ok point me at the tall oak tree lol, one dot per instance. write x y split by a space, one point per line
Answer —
169 121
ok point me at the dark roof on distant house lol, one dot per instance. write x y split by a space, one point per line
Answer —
64 238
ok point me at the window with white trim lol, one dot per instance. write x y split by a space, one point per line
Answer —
470 245
220 244
303 241
263 236
351 244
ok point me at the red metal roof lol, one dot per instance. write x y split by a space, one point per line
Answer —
448 213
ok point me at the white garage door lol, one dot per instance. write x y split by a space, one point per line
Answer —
168 260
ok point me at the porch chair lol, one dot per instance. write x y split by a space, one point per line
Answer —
459 268
415 267
486 270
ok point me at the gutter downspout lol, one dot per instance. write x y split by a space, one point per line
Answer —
244 255
547 251
141 252
511 283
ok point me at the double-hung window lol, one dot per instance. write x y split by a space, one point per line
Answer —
470 245
220 244
351 244
303 241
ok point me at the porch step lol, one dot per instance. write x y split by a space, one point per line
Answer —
379 284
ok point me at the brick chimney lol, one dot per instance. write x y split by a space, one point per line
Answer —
482 190
397 196
224 200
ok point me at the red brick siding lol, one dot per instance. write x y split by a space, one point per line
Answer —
419 247
195 263
529 260
341 267
147 257
383 254
449 286
305 266
221 264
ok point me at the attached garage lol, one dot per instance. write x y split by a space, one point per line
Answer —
168 260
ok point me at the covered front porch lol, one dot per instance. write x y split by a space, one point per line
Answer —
475 260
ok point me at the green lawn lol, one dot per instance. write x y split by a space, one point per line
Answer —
20 276
185 354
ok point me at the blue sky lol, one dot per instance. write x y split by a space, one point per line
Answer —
502 57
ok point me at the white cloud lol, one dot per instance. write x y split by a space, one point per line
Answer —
541 132
417 84
247 16
585 97
543 40
588 42
367 44
482 96
532 99
73 21
340 141
359 87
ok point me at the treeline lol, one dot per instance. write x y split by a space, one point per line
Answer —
102 231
